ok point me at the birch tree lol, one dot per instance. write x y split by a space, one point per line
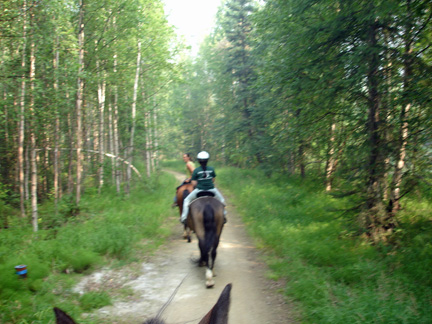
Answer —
133 119
22 112
33 161
79 102
101 103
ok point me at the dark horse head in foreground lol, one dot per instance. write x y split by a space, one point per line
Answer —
217 315
207 220
182 192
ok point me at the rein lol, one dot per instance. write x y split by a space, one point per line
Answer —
164 307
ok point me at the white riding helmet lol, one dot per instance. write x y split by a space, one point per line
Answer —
203 155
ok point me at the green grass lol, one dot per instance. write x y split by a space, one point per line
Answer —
331 275
109 227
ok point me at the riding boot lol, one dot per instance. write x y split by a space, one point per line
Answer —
175 204
183 218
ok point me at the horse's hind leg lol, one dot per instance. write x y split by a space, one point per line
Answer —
204 258
212 260
212 255
209 271
187 233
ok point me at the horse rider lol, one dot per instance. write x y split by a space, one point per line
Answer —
203 178
190 167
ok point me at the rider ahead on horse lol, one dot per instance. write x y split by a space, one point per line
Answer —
203 179
190 167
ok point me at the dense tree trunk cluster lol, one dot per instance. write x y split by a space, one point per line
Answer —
335 89
68 83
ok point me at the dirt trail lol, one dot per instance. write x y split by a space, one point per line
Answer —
254 299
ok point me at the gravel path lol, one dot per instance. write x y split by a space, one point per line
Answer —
254 298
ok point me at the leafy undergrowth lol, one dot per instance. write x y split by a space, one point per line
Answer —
333 275
108 227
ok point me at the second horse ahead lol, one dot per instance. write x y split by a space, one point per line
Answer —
182 192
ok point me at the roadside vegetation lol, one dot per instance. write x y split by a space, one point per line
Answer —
110 230
332 274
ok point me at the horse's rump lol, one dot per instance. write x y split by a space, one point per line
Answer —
204 213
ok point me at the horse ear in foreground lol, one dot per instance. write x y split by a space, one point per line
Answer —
217 315
206 218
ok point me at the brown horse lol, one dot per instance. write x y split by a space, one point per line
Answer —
217 315
182 192
206 218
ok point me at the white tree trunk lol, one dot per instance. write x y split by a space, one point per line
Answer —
22 116
111 140
33 162
147 135
133 115
57 127
331 159
148 147
116 141
70 160
155 138
79 102
27 171
101 101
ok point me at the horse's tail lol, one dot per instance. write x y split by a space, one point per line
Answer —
209 227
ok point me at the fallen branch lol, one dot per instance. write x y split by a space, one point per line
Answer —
97 152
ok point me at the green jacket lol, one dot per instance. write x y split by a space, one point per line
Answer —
204 183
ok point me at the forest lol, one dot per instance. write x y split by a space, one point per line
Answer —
98 96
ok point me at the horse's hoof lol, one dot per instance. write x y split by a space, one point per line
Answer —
189 239
209 278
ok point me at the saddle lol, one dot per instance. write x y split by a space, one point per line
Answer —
204 193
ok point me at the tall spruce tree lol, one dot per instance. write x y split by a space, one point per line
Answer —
236 25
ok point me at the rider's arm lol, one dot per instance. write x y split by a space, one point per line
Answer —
194 183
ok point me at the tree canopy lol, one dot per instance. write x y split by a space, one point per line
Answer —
332 90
